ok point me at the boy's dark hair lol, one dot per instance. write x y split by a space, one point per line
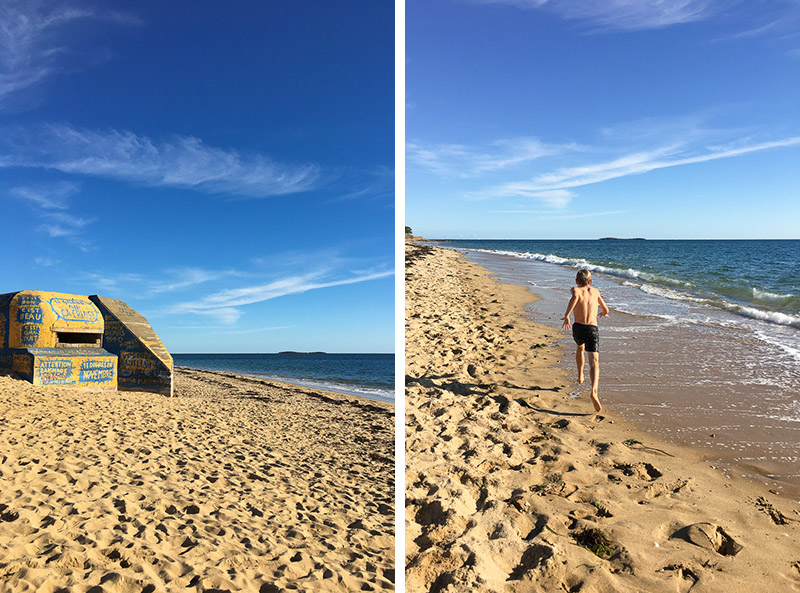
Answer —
583 277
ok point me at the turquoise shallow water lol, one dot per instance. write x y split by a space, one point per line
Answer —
366 375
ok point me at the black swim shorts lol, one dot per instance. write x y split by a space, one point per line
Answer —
586 335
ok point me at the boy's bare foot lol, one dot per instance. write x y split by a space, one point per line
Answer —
580 378
597 407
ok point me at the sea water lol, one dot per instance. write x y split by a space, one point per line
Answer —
365 375
703 343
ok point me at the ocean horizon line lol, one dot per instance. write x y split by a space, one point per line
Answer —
605 239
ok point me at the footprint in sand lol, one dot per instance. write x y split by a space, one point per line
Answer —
643 471
709 536
683 572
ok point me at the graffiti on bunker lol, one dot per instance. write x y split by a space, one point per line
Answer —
74 309
55 371
30 334
144 364
96 371
29 318
22 364
44 339
3 330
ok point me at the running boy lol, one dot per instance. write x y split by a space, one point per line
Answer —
584 304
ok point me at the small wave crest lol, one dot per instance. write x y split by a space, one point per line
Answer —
379 393
765 295
671 294
789 302
620 272
771 316
775 317
670 288
349 389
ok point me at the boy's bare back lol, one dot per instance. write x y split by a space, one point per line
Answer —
587 302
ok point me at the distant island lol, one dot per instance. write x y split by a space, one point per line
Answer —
294 352
621 239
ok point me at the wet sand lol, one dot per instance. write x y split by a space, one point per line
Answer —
237 484
710 386
513 485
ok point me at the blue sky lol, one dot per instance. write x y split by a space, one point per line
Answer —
583 119
227 169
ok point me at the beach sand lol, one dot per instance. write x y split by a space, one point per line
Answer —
237 484
511 485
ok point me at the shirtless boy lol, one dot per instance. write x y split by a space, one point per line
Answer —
585 302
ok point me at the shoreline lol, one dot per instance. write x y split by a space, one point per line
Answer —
236 484
505 473
284 381
658 377
360 374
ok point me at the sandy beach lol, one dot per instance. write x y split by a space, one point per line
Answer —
237 484
512 485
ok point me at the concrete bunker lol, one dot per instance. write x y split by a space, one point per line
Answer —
51 338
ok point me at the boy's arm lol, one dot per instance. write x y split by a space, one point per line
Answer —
570 307
605 310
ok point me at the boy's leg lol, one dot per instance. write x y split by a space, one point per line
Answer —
594 373
579 361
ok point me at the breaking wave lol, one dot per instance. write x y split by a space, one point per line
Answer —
759 304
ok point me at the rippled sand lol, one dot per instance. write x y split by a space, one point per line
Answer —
237 484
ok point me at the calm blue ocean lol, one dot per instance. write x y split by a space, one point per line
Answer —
366 375
703 343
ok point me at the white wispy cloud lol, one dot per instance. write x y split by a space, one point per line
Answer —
157 284
552 198
111 284
776 21
630 164
223 304
622 15
224 315
460 160
231 332
33 42
50 196
182 161
377 184
47 262
181 278
548 215
756 31
51 204
61 224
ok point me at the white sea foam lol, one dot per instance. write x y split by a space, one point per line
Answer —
668 293
386 395
629 273
764 295
359 390
793 352
771 316
654 284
